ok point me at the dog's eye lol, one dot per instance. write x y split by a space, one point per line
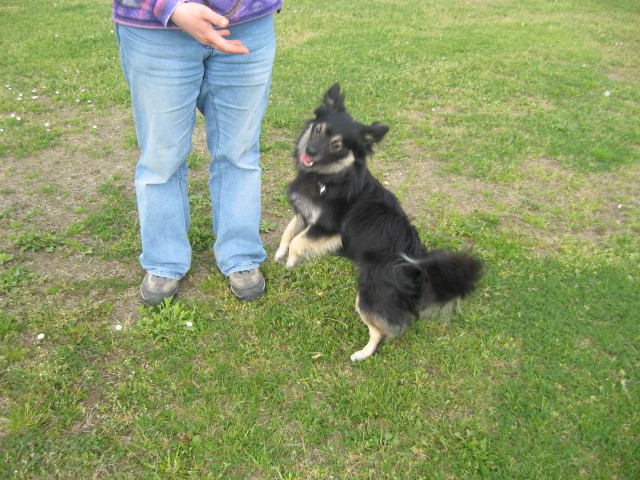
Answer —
318 129
336 145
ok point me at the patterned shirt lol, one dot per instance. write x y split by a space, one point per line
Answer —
156 13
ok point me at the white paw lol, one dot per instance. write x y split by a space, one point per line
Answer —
360 355
292 261
281 254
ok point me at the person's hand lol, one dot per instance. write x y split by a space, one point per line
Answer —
198 21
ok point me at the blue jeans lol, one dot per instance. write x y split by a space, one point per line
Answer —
170 75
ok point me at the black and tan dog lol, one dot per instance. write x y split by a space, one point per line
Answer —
341 208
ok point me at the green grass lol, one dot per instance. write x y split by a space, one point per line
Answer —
502 138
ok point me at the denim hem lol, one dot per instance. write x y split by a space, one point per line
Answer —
165 274
242 268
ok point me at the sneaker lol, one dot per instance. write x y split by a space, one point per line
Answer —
247 284
155 289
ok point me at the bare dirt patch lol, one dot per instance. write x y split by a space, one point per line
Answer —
547 201
49 192
56 187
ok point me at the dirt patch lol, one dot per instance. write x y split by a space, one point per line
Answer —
49 192
56 187
547 201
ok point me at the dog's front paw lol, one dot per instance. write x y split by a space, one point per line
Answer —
292 261
360 355
281 254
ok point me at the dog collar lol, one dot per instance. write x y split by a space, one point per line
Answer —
323 188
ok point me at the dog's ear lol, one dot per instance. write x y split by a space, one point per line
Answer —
374 133
333 99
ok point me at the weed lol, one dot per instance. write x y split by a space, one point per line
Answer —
5 257
167 321
36 241
266 226
48 189
201 238
196 160
15 277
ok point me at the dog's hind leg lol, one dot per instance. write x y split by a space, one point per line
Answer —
375 339
376 334
296 225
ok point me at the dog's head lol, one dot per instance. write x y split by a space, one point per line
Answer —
334 141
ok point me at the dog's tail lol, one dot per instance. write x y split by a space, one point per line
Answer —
447 277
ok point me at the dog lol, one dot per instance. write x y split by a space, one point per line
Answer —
340 208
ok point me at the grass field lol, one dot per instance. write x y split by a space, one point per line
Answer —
514 130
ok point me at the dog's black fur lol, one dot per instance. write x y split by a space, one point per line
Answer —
341 208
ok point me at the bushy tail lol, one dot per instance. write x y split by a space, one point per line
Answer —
448 278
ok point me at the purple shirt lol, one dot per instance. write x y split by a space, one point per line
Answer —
156 13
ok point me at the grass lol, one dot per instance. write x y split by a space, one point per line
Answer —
512 131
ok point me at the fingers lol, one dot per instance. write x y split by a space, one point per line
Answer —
199 21
217 41
215 19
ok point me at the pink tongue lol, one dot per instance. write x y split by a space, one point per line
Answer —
306 159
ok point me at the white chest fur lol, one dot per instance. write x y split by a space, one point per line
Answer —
306 207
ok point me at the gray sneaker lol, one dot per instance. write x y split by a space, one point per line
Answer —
155 289
247 284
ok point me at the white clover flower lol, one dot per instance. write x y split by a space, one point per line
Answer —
189 324
40 336
118 327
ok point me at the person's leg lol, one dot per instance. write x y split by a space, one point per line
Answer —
233 100
164 71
